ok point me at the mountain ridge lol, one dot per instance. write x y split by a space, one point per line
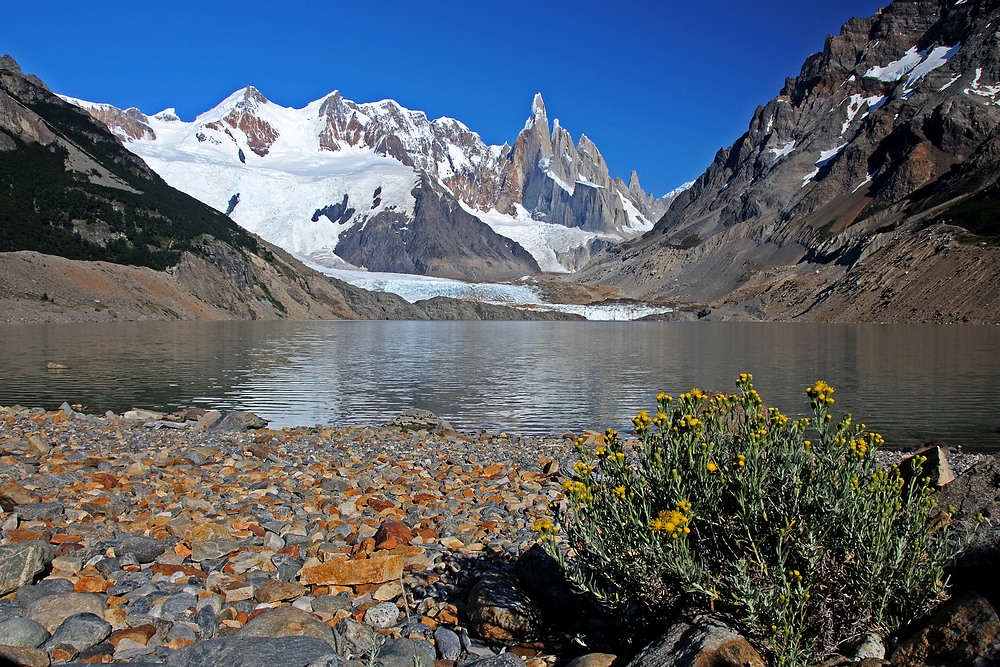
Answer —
831 181
545 193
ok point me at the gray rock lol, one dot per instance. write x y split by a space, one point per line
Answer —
179 603
704 642
10 610
382 615
448 645
40 511
19 565
238 421
252 652
22 632
208 621
28 595
52 610
213 548
353 639
78 633
287 622
415 419
406 652
499 610
145 549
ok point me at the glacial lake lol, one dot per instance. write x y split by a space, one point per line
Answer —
912 383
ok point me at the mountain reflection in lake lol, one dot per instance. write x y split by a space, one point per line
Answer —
910 382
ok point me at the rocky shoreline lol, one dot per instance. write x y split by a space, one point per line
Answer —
198 538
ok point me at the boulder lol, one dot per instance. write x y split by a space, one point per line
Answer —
345 572
238 421
22 632
52 610
392 533
957 634
382 615
415 419
287 622
406 652
701 643
499 610
78 633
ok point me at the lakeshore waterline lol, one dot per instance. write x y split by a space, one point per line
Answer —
911 382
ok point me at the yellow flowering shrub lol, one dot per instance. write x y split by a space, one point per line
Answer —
723 506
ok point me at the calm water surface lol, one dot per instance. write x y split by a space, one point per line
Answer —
911 383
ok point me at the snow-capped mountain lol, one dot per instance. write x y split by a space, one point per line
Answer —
382 187
867 189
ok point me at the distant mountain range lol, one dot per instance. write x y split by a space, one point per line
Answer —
866 190
382 187
89 232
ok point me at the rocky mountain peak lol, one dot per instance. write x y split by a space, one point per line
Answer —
839 166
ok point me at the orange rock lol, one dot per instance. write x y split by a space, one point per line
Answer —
63 539
16 535
343 572
182 550
90 585
107 481
492 471
178 643
391 530
141 634
380 504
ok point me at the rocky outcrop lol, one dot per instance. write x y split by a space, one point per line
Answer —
885 132
441 239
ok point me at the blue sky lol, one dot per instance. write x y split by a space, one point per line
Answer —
659 86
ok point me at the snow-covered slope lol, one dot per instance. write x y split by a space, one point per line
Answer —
306 179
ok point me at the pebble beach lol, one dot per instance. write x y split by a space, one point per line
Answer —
198 538
171 533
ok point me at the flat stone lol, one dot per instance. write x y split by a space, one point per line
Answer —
22 632
344 572
52 610
252 652
39 511
19 565
278 591
287 622
503 660
214 548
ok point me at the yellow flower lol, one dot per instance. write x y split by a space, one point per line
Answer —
712 467
544 526
620 492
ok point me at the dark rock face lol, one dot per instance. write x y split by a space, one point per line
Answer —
838 167
442 240
335 213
